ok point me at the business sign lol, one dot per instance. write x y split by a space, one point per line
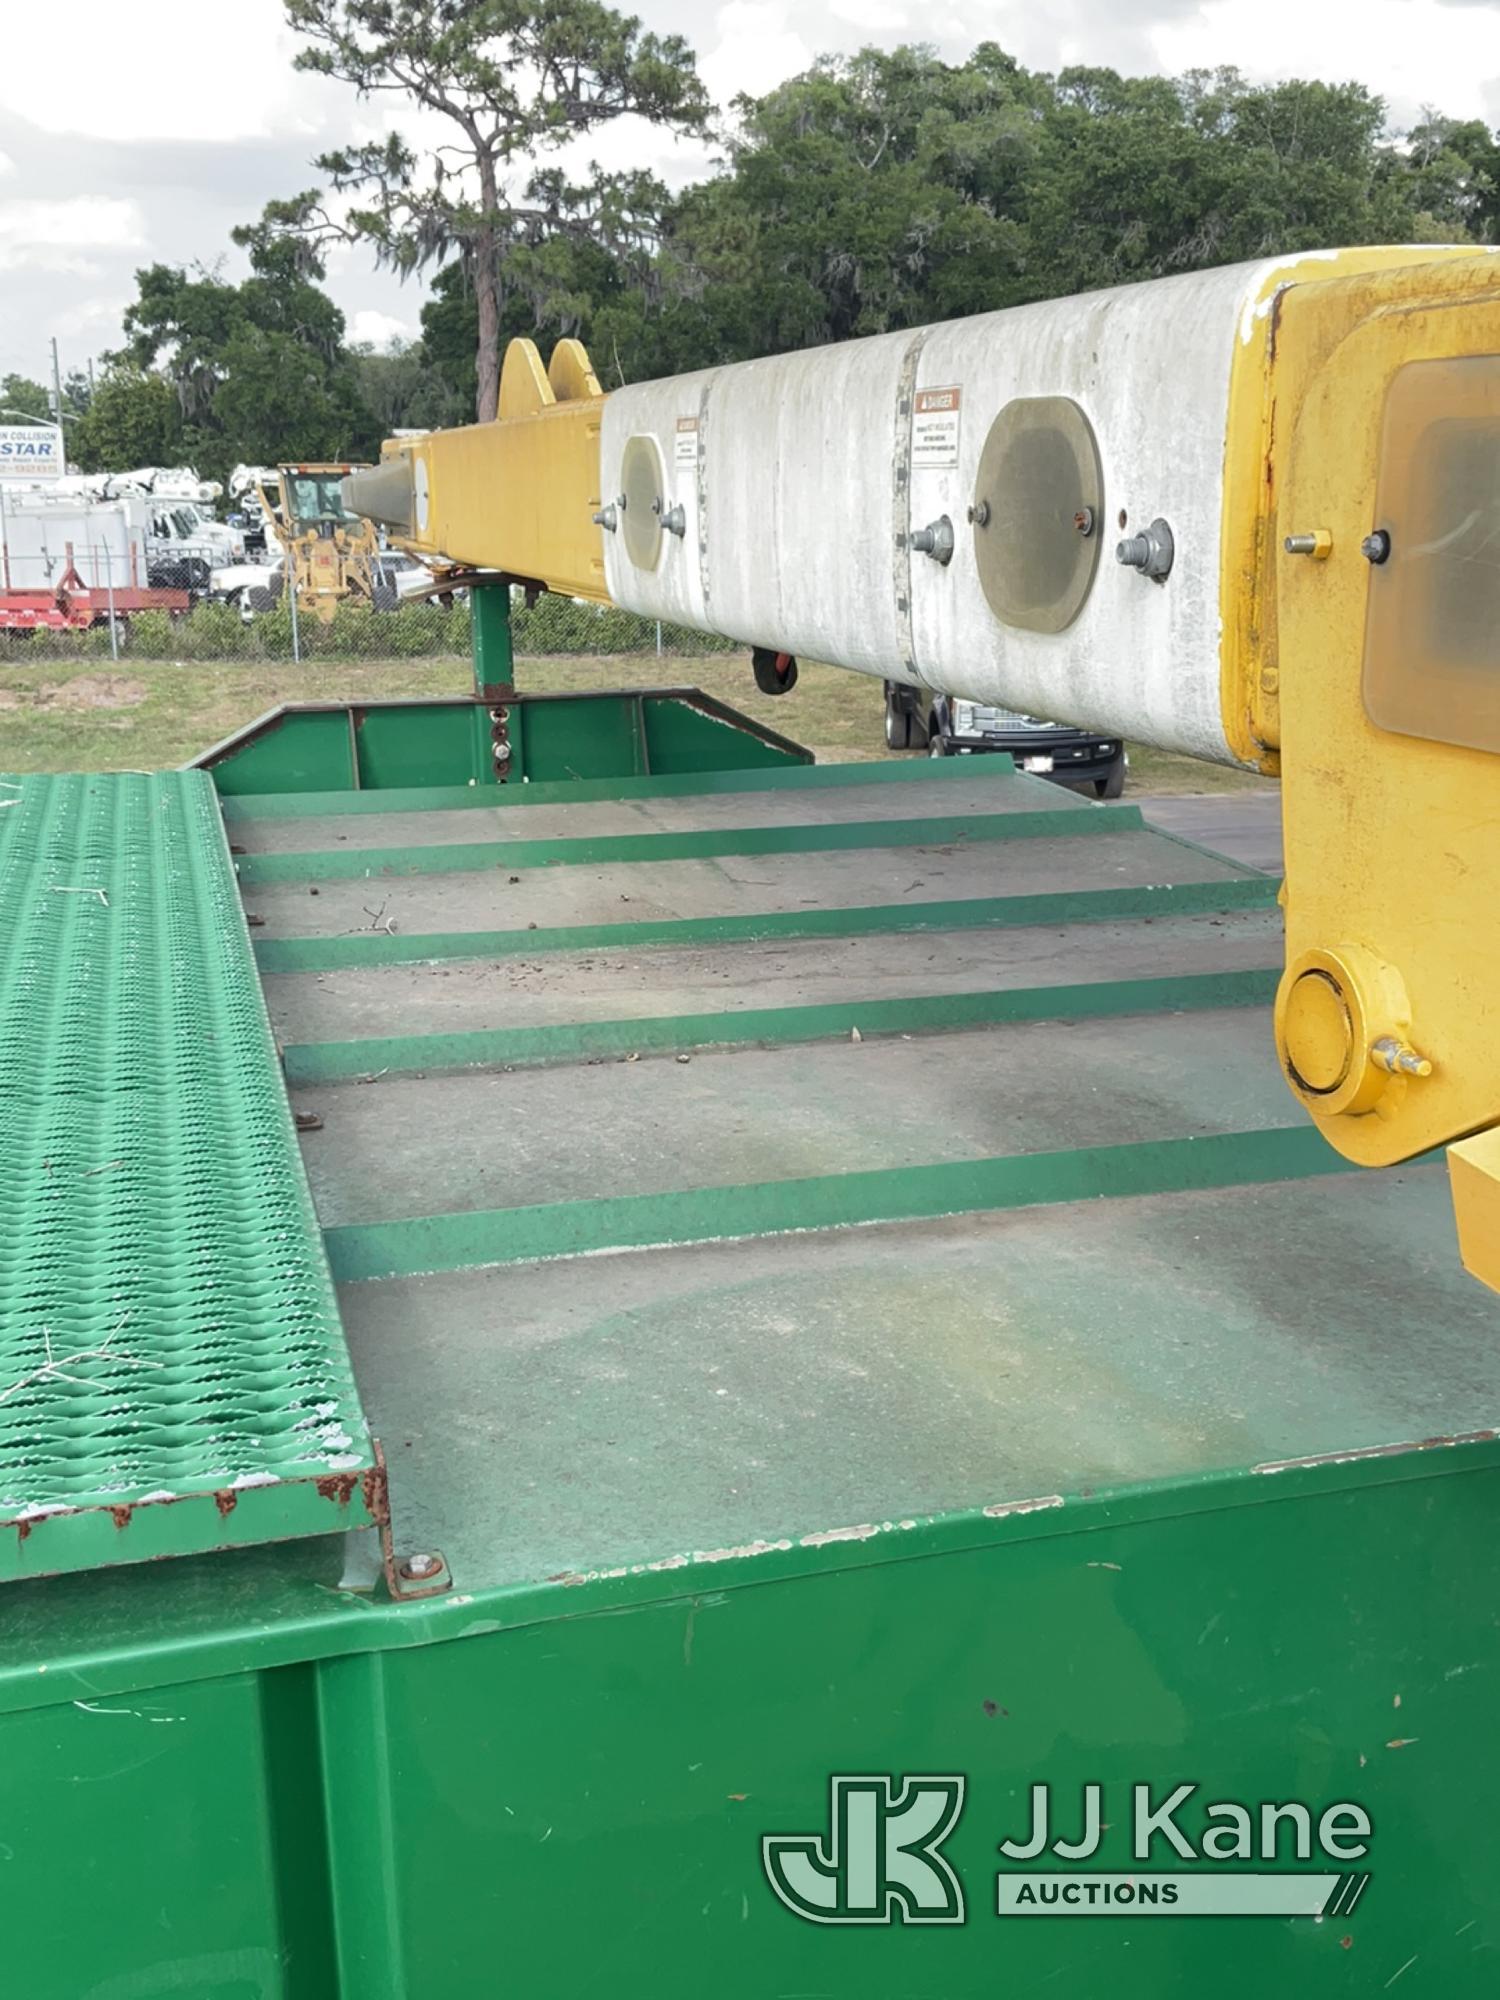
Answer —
881 1859
31 451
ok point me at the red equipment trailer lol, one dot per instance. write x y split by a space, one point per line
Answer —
72 605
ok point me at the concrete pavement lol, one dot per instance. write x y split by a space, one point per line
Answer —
1244 825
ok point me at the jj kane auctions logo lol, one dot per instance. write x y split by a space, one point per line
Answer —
881 1860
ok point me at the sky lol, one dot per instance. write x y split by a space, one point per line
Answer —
135 146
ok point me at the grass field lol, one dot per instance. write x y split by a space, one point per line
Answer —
97 715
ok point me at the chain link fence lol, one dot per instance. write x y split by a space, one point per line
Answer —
111 614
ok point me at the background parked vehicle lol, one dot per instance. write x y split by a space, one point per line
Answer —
70 560
190 524
953 727
258 584
252 586
184 542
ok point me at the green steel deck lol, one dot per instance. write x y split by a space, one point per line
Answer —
173 1374
837 1275
932 1060
938 1106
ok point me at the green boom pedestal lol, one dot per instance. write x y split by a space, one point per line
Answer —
494 661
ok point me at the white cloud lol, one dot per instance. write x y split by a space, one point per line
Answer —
379 329
48 235
756 48
166 135
1411 52
626 143
93 323
217 69
873 17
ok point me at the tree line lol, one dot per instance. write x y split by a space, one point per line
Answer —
873 192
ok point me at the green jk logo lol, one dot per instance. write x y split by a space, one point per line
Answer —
881 1860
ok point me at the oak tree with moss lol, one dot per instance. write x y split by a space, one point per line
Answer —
506 84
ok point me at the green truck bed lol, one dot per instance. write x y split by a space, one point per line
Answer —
840 1283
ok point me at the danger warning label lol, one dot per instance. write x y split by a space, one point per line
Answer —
934 427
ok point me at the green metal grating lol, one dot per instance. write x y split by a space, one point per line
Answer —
173 1372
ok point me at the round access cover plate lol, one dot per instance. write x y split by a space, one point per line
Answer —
641 484
1040 496
1319 1033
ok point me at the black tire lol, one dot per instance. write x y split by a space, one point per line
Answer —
775 673
898 723
385 597
258 597
937 742
1112 784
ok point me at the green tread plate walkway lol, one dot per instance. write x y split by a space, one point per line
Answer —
173 1371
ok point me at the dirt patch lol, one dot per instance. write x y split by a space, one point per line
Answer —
91 691
9 698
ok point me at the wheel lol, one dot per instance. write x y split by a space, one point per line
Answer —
937 743
258 598
775 673
1112 784
904 727
385 597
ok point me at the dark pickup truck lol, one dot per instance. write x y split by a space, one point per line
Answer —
953 727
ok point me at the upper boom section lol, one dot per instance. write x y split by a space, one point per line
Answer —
1248 514
941 507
